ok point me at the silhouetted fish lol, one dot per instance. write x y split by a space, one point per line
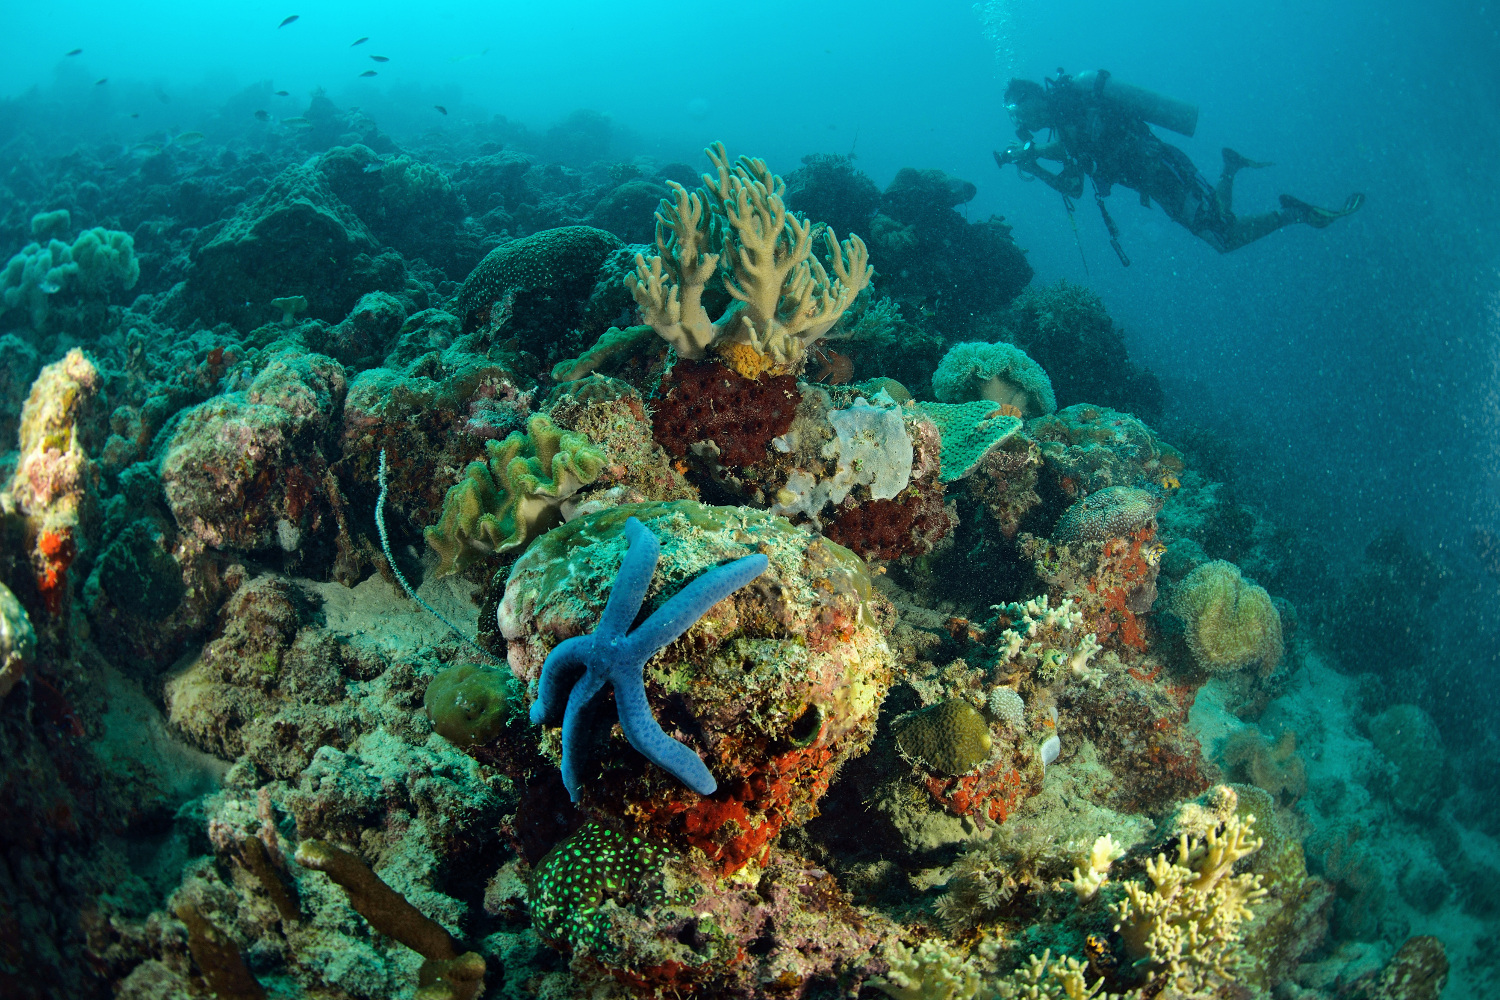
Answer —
101 81
188 138
76 52
368 72
381 58
359 42
288 21
135 114
372 168
283 93
296 123
264 116
440 109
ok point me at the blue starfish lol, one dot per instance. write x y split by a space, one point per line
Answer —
582 665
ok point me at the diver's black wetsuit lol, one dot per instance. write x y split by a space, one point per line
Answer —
1096 137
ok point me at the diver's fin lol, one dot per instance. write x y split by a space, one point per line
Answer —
1319 218
1234 161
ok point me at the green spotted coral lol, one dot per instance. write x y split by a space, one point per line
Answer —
969 431
513 494
596 866
950 736
1231 622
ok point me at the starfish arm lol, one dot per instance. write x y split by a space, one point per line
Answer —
629 590
575 729
560 671
692 602
645 735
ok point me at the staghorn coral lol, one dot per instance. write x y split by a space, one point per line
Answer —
1113 512
1231 622
1001 373
738 228
1046 978
1092 871
1187 926
513 494
933 970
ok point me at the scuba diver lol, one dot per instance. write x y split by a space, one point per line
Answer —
1099 127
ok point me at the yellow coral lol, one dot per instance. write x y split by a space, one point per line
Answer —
1231 623
933 970
1187 924
513 494
784 297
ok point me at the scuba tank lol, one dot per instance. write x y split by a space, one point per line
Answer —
1149 106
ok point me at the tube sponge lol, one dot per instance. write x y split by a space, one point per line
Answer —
1231 623
1000 373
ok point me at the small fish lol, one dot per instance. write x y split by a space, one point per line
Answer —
188 138
76 52
296 123
145 149
264 116
283 93
381 58
359 42
440 109
101 81
368 72
288 21
49 287
135 114
372 168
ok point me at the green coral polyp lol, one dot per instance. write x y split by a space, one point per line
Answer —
513 494
578 877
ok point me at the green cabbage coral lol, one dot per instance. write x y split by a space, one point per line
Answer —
513 494
1231 623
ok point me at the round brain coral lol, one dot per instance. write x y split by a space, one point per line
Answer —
468 704
1112 512
1231 622
949 736
1000 373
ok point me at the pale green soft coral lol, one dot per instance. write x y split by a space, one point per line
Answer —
98 261
1231 622
1000 373
514 494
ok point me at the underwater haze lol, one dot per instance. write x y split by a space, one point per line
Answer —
939 501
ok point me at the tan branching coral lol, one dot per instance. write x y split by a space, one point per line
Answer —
1186 926
738 225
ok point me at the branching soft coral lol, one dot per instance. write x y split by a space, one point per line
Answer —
738 225
1187 925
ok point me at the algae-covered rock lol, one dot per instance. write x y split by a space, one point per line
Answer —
949 736
773 687
17 640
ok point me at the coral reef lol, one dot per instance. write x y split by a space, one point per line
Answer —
737 228
779 684
97 262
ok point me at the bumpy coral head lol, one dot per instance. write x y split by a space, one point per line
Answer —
1231 622
773 687
1002 374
